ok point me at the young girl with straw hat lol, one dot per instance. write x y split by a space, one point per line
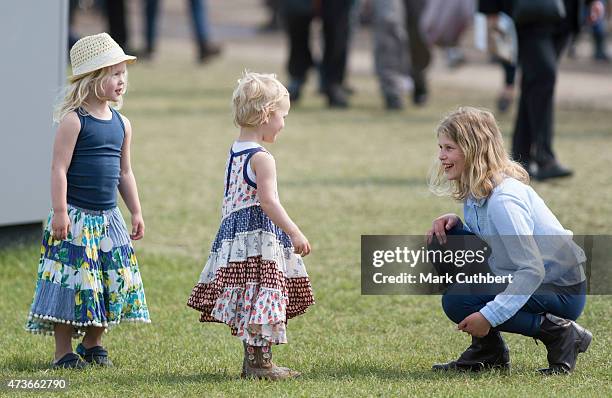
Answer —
88 276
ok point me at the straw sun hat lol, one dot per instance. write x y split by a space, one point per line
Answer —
96 52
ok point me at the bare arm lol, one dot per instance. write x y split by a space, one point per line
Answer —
63 147
127 184
264 166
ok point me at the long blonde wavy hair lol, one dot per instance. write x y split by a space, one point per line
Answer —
74 94
486 161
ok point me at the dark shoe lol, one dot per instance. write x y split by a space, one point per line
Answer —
552 170
503 103
295 89
489 352
70 361
207 51
349 90
564 340
419 97
601 57
393 103
258 364
95 355
145 55
336 97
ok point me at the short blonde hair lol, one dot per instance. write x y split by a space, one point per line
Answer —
256 96
80 87
486 161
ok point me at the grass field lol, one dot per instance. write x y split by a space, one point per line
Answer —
341 174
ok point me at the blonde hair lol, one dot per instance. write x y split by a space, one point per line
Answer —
486 161
255 97
75 93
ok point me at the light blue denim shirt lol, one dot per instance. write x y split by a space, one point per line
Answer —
527 241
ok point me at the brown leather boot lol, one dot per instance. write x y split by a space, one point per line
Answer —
258 364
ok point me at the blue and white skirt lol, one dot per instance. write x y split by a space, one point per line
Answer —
91 278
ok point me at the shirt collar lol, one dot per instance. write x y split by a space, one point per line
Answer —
471 201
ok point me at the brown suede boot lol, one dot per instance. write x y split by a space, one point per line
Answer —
258 364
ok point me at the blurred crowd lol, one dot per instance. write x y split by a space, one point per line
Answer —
525 44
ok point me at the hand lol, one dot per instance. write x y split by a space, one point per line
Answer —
138 227
440 226
475 324
596 11
301 245
60 225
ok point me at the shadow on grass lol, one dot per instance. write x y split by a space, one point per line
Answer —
348 371
339 372
25 364
353 370
31 365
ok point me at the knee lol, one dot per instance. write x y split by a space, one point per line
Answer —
454 307
577 307
459 230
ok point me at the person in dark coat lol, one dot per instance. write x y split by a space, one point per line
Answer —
540 45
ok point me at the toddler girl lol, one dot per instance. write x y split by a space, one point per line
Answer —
254 279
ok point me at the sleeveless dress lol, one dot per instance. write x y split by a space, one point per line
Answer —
91 278
252 281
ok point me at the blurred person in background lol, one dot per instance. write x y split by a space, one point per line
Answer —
506 96
502 46
390 51
334 14
401 55
206 49
405 31
540 45
418 49
274 22
599 33
116 16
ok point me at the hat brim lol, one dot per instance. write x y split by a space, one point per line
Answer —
130 59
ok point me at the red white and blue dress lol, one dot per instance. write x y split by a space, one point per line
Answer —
252 281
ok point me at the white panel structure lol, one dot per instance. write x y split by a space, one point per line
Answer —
33 48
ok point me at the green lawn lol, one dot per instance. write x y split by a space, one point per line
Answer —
341 174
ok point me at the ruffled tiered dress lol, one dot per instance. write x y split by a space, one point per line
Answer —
91 278
252 281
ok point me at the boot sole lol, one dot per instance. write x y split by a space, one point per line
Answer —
504 367
269 378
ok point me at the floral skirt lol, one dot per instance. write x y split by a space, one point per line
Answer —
89 279
252 280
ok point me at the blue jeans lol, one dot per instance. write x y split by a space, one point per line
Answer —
199 18
563 301
526 321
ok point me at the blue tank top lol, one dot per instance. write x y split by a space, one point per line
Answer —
93 175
